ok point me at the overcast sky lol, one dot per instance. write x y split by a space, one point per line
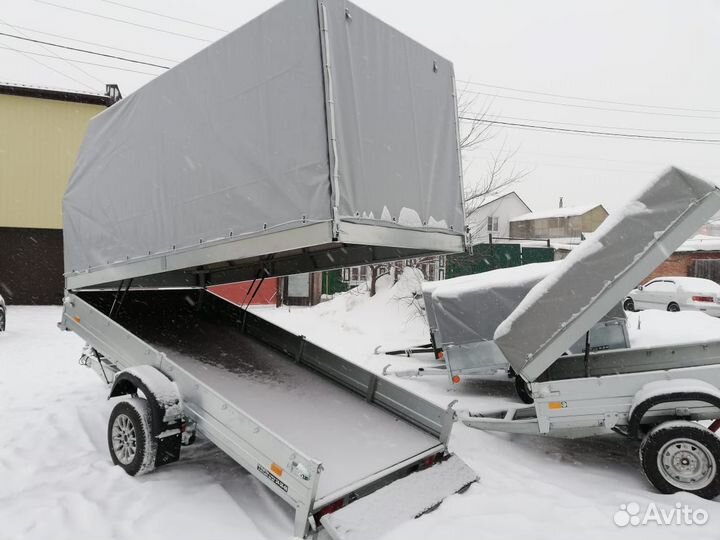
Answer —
660 57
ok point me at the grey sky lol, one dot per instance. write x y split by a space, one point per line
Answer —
662 53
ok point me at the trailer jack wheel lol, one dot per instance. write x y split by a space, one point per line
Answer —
682 456
129 437
523 391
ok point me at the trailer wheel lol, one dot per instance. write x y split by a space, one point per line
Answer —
682 456
672 306
523 391
129 437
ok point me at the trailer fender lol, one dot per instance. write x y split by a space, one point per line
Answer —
165 403
659 392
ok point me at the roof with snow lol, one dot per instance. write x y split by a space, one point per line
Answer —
558 213
496 197
701 243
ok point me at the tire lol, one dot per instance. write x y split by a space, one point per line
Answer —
672 306
628 304
2 320
130 439
523 391
682 456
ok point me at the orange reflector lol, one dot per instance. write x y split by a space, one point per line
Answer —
557 404
456 379
76 319
276 469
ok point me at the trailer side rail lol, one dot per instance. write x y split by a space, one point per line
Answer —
247 441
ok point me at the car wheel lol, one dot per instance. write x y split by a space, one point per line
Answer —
672 306
682 456
130 441
629 305
523 391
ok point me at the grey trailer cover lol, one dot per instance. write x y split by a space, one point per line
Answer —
626 248
313 113
466 311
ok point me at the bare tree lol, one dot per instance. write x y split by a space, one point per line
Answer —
501 171
376 272
500 174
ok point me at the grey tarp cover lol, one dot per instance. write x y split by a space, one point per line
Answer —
236 141
463 313
626 248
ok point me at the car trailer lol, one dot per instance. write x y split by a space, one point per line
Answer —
655 395
314 137
464 312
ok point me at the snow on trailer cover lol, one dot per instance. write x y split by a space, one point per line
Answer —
313 137
597 274
463 314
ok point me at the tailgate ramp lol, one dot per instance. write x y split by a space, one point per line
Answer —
373 516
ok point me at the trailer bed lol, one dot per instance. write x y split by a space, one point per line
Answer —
352 438
358 429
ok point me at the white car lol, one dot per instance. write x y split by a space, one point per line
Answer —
676 294
2 314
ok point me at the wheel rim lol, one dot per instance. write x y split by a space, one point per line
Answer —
124 439
686 464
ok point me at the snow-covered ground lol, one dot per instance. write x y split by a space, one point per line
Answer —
57 481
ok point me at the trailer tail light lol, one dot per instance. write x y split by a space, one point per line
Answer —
703 299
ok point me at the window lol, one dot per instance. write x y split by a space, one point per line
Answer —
493 224
660 286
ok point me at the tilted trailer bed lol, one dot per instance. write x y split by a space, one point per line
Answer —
653 394
314 137
319 430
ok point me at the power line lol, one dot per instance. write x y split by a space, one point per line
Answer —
594 100
590 132
578 106
122 21
95 43
166 16
86 51
74 66
49 67
583 157
505 118
80 62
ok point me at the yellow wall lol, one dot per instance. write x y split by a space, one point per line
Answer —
39 141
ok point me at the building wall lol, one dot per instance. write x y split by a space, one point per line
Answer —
593 219
254 293
504 208
559 227
31 265
39 141
681 264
